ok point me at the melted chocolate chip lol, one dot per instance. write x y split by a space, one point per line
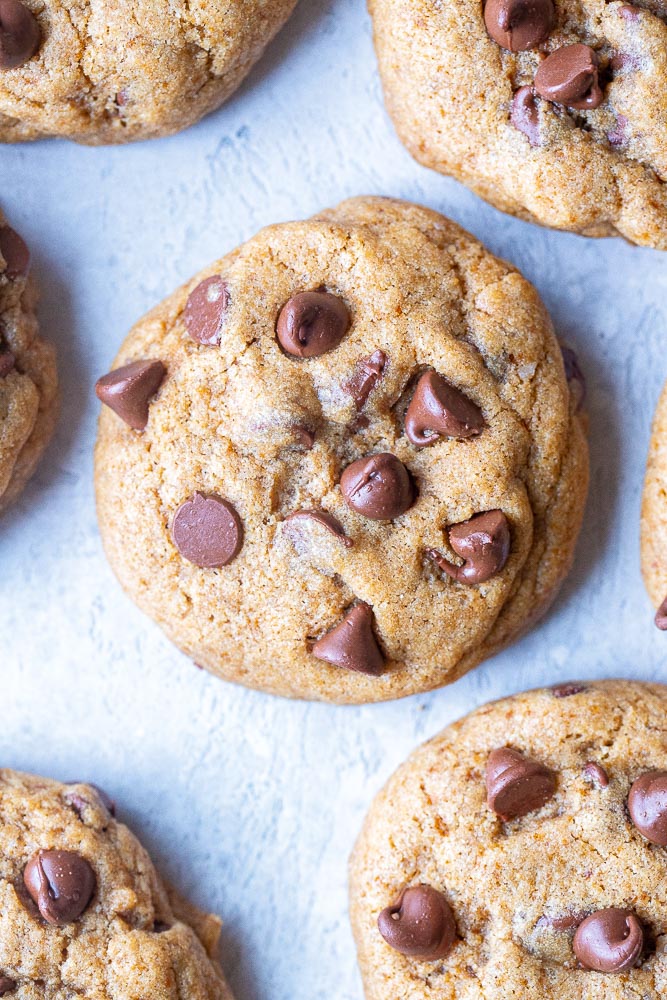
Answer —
661 616
205 311
562 924
647 805
420 924
324 518
6 985
20 35
620 134
15 253
312 323
352 644
128 390
61 883
610 940
567 689
79 801
7 363
569 76
207 531
575 377
524 114
516 785
483 542
305 437
438 409
596 773
366 377
379 487
518 25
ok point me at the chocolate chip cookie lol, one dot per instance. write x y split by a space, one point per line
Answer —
520 853
83 911
343 462
553 110
28 378
654 515
110 72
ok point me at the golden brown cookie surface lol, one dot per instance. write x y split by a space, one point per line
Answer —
343 462
83 911
553 111
538 825
654 515
105 71
28 377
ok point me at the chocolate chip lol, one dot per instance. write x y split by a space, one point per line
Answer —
207 531
647 805
569 76
518 25
324 518
624 62
561 924
312 323
567 689
438 409
159 927
205 311
128 390
15 253
420 924
575 377
483 542
610 940
352 644
524 114
305 437
619 135
19 34
7 363
596 773
661 616
628 12
378 486
6 985
516 785
61 883
79 801
368 374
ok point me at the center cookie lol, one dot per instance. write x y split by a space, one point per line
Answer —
553 110
521 854
343 462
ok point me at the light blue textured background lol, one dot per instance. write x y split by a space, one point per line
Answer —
249 803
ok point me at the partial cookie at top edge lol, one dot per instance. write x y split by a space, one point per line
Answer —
88 72
554 112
